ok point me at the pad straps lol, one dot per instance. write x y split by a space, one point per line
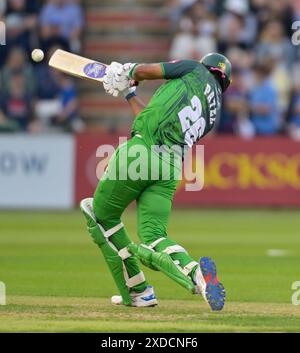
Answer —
173 249
135 280
156 242
112 231
124 254
189 267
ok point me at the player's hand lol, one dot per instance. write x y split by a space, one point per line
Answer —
117 79
109 83
122 80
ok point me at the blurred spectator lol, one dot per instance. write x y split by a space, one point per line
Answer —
48 102
235 114
274 43
295 4
261 10
2 8
21 20
57 102
175 9
68 117
281 11
17 64
237 25
263 102
29 90
293 126
7 125
17 104
196 34
281 77
62 19
47 85
252 33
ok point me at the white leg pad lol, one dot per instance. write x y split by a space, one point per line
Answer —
135 280
188 268
110 232
124 253
174 249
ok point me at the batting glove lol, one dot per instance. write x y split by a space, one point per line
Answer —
109 81
122 79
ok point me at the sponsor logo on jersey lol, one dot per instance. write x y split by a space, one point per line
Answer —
222 66
95 70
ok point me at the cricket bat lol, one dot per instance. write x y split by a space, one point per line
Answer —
78 66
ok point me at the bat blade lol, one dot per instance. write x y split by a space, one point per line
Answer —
78 66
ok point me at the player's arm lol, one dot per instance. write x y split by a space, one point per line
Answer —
119 78
136 104
143 72
164 70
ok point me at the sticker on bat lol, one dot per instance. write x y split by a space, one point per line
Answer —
95 70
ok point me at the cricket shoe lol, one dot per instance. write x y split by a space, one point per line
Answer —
144 299
208 285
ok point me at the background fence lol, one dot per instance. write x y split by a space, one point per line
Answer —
59 170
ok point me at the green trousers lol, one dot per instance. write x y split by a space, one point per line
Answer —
118 188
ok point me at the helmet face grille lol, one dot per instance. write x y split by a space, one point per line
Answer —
221 77
220 67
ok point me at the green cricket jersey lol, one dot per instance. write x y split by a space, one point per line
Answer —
182 110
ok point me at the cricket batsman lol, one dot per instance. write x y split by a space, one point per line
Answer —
182 111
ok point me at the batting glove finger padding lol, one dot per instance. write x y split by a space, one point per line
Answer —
117 79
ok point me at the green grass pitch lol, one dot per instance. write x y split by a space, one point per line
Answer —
57 280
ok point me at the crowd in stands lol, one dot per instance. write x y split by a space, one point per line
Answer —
34 97
264 98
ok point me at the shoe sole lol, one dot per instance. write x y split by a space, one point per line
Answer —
149 304
214 292
137 306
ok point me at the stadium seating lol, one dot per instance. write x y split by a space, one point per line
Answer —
145 36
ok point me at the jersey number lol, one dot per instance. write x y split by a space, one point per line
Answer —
192 124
